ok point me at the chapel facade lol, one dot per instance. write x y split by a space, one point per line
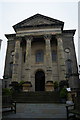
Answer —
40 53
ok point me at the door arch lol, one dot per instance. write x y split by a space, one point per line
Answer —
40 81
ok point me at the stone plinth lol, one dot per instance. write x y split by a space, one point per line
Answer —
27 86
49 86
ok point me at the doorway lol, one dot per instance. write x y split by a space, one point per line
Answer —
39 81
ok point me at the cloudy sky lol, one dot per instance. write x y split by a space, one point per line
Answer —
12 12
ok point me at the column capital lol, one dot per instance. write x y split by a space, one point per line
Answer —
17 38
58 37
47 37
29 37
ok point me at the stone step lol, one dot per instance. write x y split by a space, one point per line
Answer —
36 97
38 93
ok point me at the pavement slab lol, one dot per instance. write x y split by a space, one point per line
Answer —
26 110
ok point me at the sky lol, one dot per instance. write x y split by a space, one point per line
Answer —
12 12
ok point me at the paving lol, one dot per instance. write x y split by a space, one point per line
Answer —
26 110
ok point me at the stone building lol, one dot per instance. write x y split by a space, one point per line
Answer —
40 53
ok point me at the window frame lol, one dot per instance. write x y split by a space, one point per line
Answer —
54 55
39 57
69 66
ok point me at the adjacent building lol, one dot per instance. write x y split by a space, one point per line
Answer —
0 43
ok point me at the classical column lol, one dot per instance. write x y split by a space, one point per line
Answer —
16 61
61 59
28 59
48 57
48 51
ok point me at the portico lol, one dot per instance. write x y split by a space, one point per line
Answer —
26 59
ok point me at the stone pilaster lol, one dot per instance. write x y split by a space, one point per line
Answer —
16 62
48 57
61 59
28 59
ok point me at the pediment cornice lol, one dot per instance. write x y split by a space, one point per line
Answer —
37 21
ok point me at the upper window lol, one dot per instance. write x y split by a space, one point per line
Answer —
39 56
69 66
11 69
24 56
54 55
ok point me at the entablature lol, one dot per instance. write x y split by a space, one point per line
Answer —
52 31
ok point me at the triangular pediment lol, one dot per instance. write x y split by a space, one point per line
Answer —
36 20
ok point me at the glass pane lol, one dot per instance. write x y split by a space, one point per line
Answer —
69 66
54 55
39 56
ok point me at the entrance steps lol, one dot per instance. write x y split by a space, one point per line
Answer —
37 97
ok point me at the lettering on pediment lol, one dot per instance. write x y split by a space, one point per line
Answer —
37 21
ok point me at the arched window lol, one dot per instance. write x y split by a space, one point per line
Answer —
54 55
69 66
24 56
10 69
39 56
23 46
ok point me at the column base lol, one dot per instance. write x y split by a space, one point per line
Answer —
27 86
49 86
